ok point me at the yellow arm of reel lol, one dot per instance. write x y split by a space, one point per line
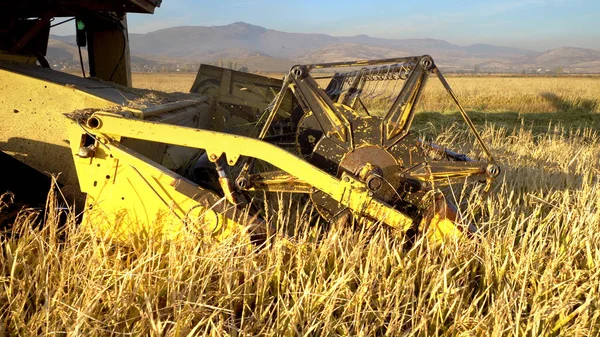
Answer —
348 191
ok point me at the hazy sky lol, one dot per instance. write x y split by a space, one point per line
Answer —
532 24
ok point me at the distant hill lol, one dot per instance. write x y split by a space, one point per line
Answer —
63 50
260 49
418 46
349 52
185 42
562 57
487 50
63 55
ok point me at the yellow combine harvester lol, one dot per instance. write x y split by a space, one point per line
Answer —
191 164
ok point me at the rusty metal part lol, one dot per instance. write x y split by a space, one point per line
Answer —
224 181
374 166
277 181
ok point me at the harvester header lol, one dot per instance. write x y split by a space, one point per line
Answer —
336 135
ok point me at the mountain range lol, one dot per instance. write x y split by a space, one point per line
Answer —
256 48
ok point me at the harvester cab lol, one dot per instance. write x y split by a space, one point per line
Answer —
193 164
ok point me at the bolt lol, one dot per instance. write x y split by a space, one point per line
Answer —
346 179
298 72
213 157
493 170
242 183
374 183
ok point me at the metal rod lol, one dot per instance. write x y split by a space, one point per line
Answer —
276 105
249 161
362 63
164 108
488 154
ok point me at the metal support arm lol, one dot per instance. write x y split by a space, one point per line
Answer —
348 191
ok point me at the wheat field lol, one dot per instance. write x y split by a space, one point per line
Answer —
532 270
476 93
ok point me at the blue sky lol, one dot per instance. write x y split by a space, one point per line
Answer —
533 24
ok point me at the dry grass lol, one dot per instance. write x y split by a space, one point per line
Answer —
533 270
478 93
168 82
515 94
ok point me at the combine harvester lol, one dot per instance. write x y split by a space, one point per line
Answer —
191 164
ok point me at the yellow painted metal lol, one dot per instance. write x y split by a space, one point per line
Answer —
33 102
278 181
348 191
335 122
130 194
441 222
440 228
33 128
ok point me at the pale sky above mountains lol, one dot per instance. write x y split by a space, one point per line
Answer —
531 24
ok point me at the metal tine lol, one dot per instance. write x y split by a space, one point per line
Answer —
381 86
343 85
366 86
378 75
396 77
348 80
395 73
387 94
370 83
389 77
383 78
386 83
339 88
357 82
334 84
371 78
337 84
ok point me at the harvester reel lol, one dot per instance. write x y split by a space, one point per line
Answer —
379 168
337 133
